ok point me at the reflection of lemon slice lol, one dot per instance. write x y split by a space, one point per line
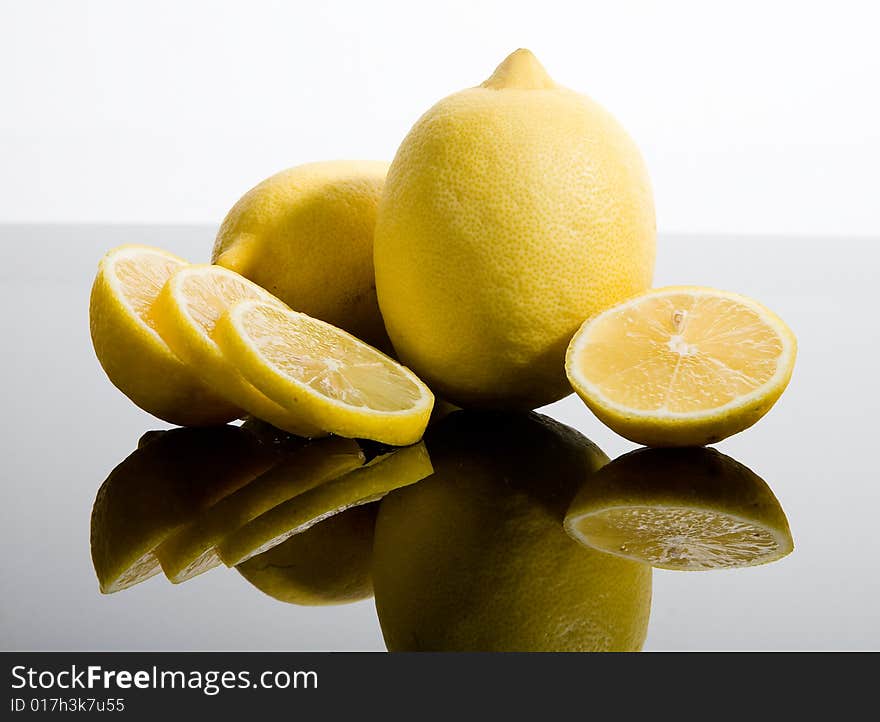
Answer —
383 474
688 509
324 375
161 486
326 564
185 312
681 366
475 557
191 551
134 356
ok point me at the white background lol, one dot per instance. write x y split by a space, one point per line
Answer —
753 117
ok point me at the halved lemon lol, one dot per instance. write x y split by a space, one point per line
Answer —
681 366
381 475
129 348
681 509
323 375
186 311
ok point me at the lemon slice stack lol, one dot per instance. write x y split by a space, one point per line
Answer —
200 344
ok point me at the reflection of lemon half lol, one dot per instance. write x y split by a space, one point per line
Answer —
383 474
326 564
681 366
134 356
186 311
323 375
688 509
191 550
161 486
475 557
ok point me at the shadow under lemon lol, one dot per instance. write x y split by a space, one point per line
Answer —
682 509
475 557
299 513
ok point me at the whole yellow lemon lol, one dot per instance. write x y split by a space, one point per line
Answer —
511 212
306 235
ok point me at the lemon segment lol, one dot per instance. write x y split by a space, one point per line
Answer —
185 313
681 509
382 475
191 550
129 348
329 378
681 366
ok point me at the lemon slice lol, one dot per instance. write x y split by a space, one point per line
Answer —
681 366
133 355
191 550
382 475
186 311
682 509
324 375
331 563
160 487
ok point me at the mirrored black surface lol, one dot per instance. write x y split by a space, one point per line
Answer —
66 429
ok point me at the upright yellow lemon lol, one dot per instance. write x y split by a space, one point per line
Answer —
511 212
306 235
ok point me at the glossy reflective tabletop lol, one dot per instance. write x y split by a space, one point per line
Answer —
65 428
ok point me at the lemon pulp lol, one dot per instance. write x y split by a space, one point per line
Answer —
681 538
331 379
681 366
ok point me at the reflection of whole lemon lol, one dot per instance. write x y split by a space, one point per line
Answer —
474 558
306 235
512 212
326 564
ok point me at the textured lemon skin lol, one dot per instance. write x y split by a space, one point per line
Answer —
306 235
315 410
200 352
508 216
669 431
141 365
474 558
686 478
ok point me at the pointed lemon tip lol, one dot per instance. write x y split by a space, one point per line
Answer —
521 70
